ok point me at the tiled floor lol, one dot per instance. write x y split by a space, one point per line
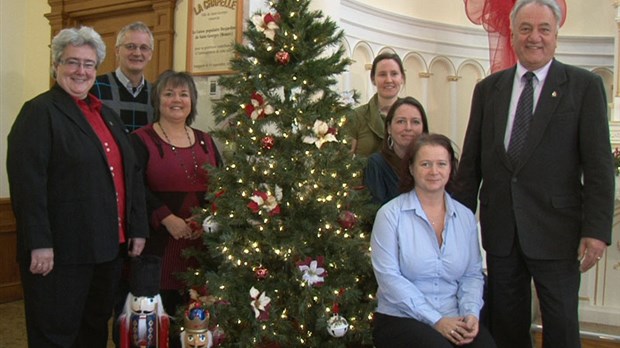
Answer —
13 326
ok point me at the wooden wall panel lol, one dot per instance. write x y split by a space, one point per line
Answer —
10 283
107 17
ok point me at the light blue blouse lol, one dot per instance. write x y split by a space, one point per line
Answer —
417 278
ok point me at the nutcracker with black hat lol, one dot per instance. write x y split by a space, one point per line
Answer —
144 322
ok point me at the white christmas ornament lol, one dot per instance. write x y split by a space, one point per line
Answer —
337 326
209 225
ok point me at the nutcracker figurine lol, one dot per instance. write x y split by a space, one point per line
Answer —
144 322
196 333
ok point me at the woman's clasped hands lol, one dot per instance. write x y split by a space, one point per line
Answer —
180 228
458 330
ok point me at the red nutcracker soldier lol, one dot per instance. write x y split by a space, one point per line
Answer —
144 322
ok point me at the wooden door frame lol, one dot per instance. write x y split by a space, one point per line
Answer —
71 13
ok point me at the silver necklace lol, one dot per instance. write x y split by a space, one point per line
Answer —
193 179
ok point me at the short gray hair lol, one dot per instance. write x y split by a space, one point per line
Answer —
551 4
135 26
77 37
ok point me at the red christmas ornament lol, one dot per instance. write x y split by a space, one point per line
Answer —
194 225
267 142
347 219
283 57
261 273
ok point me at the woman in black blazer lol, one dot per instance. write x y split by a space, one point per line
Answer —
78 198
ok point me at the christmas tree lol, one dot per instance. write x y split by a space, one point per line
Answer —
288 220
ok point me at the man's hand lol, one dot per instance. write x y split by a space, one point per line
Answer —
590 252
42 261
136 245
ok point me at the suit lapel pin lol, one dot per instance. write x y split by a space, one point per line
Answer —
554 94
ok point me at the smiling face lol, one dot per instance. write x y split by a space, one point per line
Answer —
405 126
388 78
175 103
135 52
76 70
431 169
534 35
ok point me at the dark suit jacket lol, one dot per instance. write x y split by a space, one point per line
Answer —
564 187
61 187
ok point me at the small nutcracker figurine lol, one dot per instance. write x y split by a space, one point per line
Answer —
144 322
196 332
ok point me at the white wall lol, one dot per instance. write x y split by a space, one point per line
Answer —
24 64
583 18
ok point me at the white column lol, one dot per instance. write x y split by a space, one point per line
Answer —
330 8
424 77
454 122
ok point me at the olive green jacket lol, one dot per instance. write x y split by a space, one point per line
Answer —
367 127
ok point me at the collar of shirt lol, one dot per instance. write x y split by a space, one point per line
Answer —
540 74
91 103
517 86
414 204
125 81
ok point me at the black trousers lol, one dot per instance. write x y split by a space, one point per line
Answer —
396 332
557 286
70 306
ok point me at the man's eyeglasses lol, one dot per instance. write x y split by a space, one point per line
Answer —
75 64
134 47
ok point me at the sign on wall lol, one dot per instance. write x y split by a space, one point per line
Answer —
214 26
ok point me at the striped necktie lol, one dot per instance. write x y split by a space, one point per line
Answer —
523 118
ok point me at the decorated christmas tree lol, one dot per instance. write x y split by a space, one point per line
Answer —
288 220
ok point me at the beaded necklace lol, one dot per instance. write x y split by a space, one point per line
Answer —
193 179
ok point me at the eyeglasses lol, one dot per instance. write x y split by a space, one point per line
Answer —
134 47
75 64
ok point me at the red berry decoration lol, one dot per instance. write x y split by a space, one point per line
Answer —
267 142
283 57
347 219
261 273
194 226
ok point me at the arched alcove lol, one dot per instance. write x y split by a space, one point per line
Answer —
439 105
469 73
416 70
608 81
360 71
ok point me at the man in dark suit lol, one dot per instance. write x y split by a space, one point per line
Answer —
546 210
78 196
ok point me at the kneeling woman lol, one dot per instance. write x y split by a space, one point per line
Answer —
426 258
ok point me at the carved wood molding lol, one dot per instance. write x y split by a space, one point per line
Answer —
7 219
157 14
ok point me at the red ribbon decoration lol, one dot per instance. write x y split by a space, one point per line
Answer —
494 16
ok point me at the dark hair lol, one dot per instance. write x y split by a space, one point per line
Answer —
407 182
388 153
175 79
384 56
